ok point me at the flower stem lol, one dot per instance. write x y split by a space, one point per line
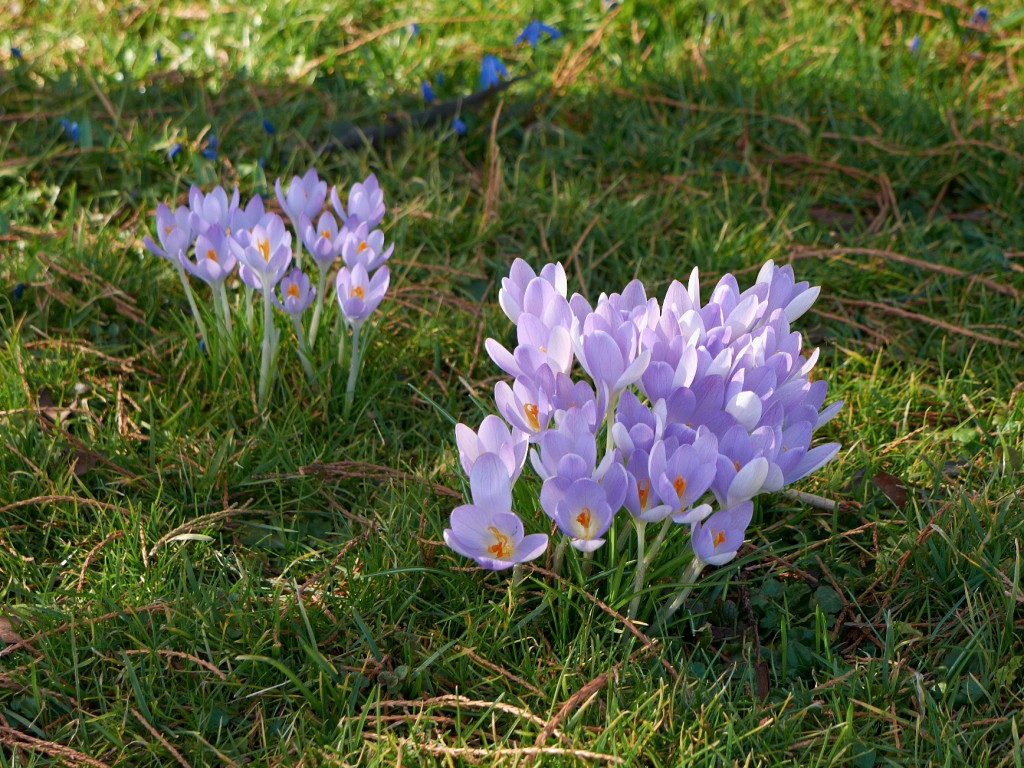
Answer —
689 578
353 369
268 343
304 353
248 308
556 564
226 310
192 305
341 341
641 568
314 325
666 526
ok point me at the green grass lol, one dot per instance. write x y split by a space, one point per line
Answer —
200 586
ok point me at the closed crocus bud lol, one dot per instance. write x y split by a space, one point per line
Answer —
306 195
359 294
173 230
717 539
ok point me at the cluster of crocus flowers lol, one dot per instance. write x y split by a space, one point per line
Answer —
686 412
215 233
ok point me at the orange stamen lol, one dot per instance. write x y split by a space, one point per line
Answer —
264 248
362 246
719 537
326 234
293 290
643 489
583 518
502 547
357 290
212 255
737 465
532 416
680 485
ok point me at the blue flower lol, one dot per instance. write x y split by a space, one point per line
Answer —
533 31
19 289
70 129
210 153
428 92
914 44
413 29
269 127
174 150
459 126
491 71
158 56
980 16
16 53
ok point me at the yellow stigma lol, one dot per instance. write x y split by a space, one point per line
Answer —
326 234
583 518
293 290
362 246
737 465
643 489
532 412
264 246
357 290
167 230
718 537
502 547
212 255
543 349
680 485
227 231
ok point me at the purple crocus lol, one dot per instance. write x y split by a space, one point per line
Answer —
609 354
488 531
322 241
681 474
212 209
526 405
365 203
214 259
359 294
584 508
174 231
306 195
491 71
265 253
495 438
717 540
296 293
361 246
512 295
532 32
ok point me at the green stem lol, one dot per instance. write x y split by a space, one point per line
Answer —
249 319
192 305
304 353
641 568
341 341
556 564
353 368
314 325
666 526
226 310
689 578
267 352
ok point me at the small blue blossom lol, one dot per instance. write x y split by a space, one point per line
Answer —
269 127
174 150
980 16
16 53
19 289
413 30
158 56
531 34
70 129
210 153
459 126
262 163
491 71
428 92
202 346
914 44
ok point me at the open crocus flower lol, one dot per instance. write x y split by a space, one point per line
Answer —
214 259
244 219
361 246
683 473
583 508
511 297
365 203
493 437
359 294
717 540
296 293
265 253
173 230
212 210
322 241
488 531
306 195
526 405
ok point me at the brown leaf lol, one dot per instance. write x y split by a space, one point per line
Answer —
7 633
894 488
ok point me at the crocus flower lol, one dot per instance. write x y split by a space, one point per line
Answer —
361 246
512 295
296 293
428 92
365 203
245 219
214 259
717 540
213 209
322 241
359 294
491 71
583 509
681 474
526 405
487 530
494 438
174 231
265 253
306 195
569 450
532 32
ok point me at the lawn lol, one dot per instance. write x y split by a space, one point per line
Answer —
186 580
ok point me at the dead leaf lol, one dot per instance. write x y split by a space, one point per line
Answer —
7 633
894 489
